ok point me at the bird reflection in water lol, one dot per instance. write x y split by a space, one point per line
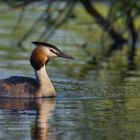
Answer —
44 107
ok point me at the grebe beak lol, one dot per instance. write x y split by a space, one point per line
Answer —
64 55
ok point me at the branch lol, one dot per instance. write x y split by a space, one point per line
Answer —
103 22
30 31
133 33
58 22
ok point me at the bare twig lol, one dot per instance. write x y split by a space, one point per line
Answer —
58 22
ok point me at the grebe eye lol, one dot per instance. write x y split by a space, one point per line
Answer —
52 50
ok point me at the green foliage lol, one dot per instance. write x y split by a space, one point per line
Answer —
118 62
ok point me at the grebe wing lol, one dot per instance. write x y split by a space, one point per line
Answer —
18 86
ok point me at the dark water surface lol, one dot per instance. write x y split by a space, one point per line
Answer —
90 105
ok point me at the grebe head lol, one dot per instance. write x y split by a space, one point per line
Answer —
43 53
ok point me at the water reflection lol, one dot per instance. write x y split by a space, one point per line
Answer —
41 108
44 112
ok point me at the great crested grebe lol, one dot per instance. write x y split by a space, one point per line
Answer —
41 86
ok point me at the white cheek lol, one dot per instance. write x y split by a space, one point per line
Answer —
51 55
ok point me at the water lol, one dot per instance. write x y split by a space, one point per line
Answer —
90 104
97 105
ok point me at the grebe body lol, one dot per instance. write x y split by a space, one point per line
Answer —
41 86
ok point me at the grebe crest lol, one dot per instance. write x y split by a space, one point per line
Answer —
41 86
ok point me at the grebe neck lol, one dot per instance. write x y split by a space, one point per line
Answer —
46 88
